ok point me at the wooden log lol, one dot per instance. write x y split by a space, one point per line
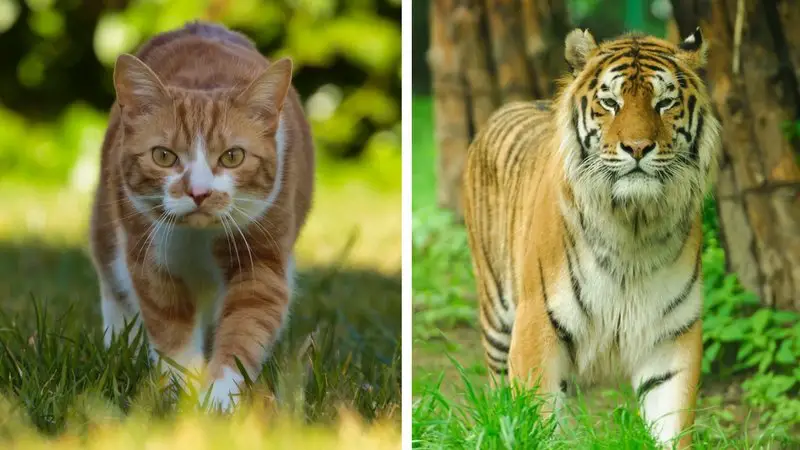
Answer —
485 53
508 51
472 47
758 192
544 32
450 105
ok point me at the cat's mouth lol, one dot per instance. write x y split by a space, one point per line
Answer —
199 219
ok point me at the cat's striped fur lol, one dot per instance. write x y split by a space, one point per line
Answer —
184 233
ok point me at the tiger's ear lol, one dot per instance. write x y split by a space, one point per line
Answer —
579 47
694 49
138 88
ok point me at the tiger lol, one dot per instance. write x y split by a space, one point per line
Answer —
583 216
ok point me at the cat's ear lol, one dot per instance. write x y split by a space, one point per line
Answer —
265 95
138 87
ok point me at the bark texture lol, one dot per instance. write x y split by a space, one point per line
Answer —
753 82
485 53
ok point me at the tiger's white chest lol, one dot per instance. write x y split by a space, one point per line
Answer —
618 325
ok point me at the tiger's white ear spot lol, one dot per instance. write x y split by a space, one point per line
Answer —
694 49
579 46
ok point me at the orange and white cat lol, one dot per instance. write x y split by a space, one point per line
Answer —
207 174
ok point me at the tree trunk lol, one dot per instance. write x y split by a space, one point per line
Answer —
484 54
753 83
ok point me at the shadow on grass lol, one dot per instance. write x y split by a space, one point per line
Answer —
341 349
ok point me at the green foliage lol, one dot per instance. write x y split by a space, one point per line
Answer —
47 153
791 129
441 274
741 337
507 417
503 418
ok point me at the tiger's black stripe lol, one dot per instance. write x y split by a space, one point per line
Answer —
499 371
679 331
653 382
691 103
497 345
498 362
579 120
496 323
694 150
684 294
563 334
574 271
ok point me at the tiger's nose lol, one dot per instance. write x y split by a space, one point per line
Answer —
638 148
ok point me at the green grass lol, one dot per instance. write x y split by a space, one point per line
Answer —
750 377
341 352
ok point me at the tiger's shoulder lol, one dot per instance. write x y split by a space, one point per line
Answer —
513 136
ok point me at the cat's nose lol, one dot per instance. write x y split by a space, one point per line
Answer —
199 195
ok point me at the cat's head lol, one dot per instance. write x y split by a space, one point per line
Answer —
201 158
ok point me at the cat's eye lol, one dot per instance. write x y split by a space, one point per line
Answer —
163 156
232 158
609 103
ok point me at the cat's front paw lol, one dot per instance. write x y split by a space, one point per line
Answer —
224 392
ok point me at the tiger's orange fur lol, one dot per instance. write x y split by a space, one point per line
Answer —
206 180
583 216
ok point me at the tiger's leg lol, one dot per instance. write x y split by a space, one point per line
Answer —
538 357
496 318
666 384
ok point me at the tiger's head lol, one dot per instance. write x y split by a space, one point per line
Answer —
636 118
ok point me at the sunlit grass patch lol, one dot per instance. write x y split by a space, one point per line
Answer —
255 428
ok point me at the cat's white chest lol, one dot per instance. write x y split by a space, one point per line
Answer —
187 254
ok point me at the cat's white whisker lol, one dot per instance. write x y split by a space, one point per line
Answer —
255 223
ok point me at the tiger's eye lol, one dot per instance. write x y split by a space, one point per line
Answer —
163 156
232 158
609 103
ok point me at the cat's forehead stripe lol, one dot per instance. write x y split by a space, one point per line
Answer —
199 116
